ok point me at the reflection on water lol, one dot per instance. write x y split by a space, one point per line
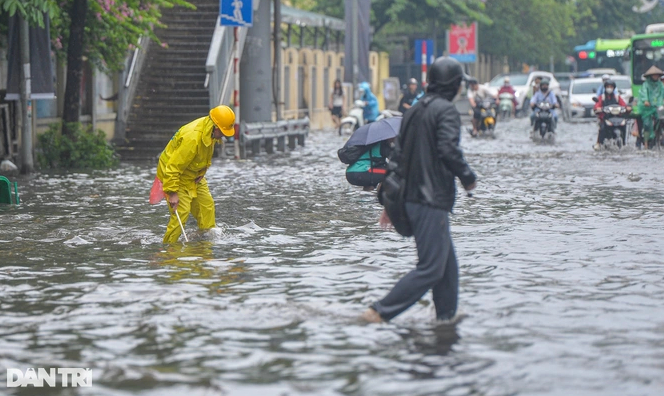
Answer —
561 279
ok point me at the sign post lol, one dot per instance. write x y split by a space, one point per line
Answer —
236 14
424 56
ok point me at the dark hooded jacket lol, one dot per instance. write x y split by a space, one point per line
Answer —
436 158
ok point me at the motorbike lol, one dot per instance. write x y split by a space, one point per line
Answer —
543 127
487 122
506 105
613 129
353 120
389 114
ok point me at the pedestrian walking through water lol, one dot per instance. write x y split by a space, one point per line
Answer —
427 152
182 167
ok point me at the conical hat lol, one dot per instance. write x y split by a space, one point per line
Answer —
654 71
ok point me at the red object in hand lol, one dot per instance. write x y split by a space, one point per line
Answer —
157 192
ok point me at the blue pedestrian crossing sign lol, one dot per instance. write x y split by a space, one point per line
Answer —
236 12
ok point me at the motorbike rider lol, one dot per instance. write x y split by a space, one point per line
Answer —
544 95
370 102
600 90
651 96
408 96
608 98
476 95
534 87
508 88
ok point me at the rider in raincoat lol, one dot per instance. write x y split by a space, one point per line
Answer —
182 167
371 103
651 96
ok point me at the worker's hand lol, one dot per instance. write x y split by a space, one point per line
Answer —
173 200
384 221
470 187
646 103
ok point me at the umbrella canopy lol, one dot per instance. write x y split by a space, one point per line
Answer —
387 128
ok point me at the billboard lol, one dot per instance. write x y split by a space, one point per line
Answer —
462 42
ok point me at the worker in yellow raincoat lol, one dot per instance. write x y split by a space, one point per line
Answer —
182 167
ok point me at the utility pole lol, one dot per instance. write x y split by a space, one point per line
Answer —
355 35
27 163
277 60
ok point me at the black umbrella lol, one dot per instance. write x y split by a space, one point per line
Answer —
387 128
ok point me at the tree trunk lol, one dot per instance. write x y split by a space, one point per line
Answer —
72 105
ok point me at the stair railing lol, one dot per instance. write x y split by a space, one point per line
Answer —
219 64
128 86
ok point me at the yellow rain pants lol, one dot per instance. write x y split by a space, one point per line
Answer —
187 157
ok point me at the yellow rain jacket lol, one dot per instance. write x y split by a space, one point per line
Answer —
186 157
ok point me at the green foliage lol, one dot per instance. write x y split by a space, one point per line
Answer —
32 10
83 149
527 30
112 27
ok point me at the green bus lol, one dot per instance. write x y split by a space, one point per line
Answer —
645 50
610 54
602 54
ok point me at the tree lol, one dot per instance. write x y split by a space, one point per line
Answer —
527 30
100 30
33 10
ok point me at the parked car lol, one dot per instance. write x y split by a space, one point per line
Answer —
598 72
522 83
579 102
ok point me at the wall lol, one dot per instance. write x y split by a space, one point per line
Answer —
307 79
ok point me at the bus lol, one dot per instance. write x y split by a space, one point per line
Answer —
646 50
585 56
602 54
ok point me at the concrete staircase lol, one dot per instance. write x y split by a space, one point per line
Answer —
170 91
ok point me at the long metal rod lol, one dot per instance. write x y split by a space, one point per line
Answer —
181 226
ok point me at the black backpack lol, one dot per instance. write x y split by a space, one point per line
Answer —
392 192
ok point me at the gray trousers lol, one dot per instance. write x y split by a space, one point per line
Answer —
437 268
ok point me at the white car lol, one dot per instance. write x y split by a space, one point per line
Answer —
522 83
579 101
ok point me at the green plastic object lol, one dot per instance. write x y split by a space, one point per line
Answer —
6 191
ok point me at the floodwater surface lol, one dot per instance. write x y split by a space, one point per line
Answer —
561 264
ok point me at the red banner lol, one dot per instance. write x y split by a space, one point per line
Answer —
463 41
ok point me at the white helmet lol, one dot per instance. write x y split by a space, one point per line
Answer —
605 77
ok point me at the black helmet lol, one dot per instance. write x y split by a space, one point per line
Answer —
609 82
471 81
445 71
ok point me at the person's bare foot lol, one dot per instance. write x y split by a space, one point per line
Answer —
371 316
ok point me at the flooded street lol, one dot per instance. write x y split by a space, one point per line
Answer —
561 255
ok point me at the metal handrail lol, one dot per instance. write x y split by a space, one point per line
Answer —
134 59
219 63
128 89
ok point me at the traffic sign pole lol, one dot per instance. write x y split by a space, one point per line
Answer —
236 90
424 62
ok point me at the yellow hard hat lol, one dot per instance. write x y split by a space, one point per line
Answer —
224 118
